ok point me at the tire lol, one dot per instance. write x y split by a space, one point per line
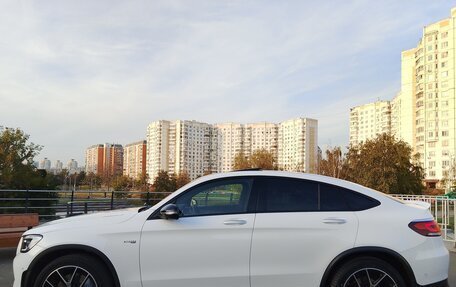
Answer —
367 271
82 270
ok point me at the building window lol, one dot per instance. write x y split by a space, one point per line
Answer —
431 144
444 34
445 133
444 74
445 45
444 54
432 173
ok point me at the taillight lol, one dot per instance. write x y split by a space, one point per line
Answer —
425 228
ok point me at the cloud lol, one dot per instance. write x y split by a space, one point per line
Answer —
73 74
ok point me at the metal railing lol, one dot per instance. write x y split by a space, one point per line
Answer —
442 208
54 204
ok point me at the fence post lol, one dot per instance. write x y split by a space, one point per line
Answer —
112 199
26 200
72 199
147 198
85 207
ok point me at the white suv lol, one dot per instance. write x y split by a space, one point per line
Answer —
243 229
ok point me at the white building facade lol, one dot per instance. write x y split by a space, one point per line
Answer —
367 121
134 160
199 148
424 111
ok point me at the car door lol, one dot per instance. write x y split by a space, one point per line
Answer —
209 245
295 235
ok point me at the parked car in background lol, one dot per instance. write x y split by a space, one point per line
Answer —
245 229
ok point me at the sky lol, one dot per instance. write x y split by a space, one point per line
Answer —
78 73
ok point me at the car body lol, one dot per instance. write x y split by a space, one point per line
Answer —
245 228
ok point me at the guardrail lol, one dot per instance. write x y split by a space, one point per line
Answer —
54 204
442 208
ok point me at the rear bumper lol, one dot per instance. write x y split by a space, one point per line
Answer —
443 283
429 262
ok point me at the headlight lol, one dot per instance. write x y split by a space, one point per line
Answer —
28 241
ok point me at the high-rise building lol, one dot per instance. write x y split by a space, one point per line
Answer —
200 148
58 166
134 159
72 166
105 160
403 106
424 111
181 146
298 147
45 164
94 159
434 94
237 138
369 120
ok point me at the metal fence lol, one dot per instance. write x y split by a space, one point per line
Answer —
54 204
442 208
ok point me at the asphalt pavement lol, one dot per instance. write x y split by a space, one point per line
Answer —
7 255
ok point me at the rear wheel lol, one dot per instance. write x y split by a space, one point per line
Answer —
367 272
74 270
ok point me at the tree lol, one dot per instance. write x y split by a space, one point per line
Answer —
385 164
241 162
122 183
164 183
182 179
92 180
334 164
17 172
263 159
143 182
258 159
16 159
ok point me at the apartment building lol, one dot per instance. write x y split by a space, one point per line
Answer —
234 138
435 98
104 159
181 146
297 145
424 111
369 120
45 164
94 160
200 148
72 166
134 159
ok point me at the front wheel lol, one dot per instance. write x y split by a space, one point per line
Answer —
74 270
367 271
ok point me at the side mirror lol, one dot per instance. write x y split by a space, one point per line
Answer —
170 211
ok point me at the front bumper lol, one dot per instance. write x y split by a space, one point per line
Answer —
22 262
443 283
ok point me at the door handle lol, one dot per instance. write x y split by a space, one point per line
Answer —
235 222
334 220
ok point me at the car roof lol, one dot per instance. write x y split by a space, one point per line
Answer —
299 175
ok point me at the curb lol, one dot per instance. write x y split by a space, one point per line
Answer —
450 245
